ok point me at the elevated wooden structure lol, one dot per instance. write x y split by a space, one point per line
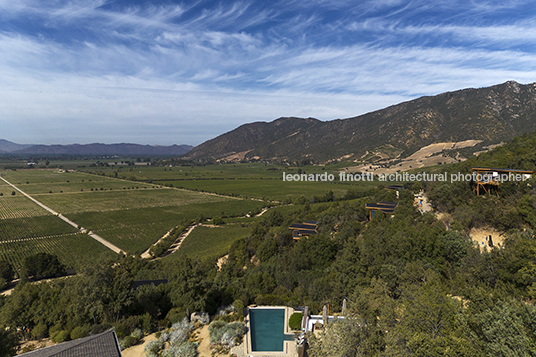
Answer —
385 207
488 179
303 229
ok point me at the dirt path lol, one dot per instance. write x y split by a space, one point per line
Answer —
65 219
175 246
203 338
137 351
147 254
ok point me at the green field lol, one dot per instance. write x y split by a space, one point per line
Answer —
73 250
131 215
210 242
134 206
242 179
137 229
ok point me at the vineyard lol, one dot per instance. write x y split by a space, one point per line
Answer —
103 201
73 249
131 215
30 227
19 206
136 229
210 242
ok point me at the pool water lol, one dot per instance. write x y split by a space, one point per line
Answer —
268 329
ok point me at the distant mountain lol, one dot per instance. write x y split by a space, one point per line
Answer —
491 114
102 149
8 146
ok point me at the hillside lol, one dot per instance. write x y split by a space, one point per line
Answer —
8 146
491 115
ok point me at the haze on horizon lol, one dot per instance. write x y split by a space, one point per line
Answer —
169 72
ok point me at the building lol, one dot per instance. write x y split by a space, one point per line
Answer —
385 207
102 345
303 229
488 179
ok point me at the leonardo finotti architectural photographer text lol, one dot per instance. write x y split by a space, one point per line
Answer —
401 177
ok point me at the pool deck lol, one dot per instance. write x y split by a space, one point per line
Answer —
289 347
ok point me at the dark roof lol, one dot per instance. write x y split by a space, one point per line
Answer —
502 170
382 205
394 187
385 207
101 345
301 226
305 232
139 283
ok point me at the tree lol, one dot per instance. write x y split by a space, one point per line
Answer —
42 265
8 343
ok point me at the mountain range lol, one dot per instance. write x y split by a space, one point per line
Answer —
482 117
485 115
93 149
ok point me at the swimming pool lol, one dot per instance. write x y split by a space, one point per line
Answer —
268 329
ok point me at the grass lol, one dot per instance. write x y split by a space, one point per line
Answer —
210 243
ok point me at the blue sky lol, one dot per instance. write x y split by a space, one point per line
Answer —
169 72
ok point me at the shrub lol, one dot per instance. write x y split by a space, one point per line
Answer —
60 336
40 331
180 332
137 334
126 326
129 341
295 321
185 349
79 332
226 334
152 348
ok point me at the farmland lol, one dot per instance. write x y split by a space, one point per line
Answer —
260 181
132 207
131 215
210 242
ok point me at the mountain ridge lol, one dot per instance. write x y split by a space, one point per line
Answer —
491 114
7 147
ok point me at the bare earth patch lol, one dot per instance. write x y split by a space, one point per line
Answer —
480 236
137 351
424 157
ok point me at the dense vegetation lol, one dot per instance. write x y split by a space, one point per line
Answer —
416 285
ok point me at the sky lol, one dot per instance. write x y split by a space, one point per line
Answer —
171 72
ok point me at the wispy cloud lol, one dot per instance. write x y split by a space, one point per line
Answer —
100 65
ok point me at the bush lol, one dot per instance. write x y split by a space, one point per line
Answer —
152 348
137 334
126 326
40 331
129 341
295 321
185 349
79 332
180 332
226 334
60 336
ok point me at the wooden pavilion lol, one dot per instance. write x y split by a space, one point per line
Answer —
488 179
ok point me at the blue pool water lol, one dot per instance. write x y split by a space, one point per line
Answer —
267 329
